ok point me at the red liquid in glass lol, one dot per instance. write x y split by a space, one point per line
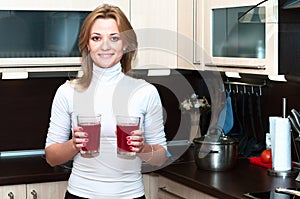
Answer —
122 133
93 131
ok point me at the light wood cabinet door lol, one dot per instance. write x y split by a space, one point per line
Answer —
66 5
163 193
47 190
155 23
13 191
146 183
190 45
151 185
124 5
169 189
233 44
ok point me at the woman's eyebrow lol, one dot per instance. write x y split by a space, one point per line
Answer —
96 33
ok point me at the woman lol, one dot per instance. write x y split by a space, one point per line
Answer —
108 44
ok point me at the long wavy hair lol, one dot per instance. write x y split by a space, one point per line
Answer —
128 37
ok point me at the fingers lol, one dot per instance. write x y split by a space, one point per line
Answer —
79 138
136 141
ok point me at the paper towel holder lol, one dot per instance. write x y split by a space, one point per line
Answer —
285 174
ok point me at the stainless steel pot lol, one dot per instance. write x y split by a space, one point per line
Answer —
215 152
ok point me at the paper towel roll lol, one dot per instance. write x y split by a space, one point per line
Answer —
280 130
272 132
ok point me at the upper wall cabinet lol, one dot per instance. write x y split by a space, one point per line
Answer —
71 5
155 23
40 36
189 34
241 36
289 42
124 5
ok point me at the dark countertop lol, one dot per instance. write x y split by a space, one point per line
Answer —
29 169
229 184
223 184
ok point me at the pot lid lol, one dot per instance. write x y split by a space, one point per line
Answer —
214 139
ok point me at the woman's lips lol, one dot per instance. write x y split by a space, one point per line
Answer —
106 55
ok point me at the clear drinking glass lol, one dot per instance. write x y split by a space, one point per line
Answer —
125 125
91 124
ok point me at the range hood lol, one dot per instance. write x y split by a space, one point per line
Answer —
291 4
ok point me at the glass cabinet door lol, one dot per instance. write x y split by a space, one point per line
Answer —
241 36
40 33
238 32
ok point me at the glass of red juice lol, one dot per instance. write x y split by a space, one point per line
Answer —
125 125
91 124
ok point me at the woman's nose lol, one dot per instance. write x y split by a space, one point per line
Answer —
105 44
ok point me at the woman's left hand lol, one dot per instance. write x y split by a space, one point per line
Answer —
136 141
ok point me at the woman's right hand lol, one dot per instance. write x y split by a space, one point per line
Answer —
79 138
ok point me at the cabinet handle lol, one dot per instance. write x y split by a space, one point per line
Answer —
34 194
195 45
258 67
175 196
11 195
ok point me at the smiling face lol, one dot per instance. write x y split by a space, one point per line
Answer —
105 44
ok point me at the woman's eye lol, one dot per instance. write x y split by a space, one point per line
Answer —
95 38
115 38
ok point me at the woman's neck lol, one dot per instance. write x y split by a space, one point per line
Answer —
107 75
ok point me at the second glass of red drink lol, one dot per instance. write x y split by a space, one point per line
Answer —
125 125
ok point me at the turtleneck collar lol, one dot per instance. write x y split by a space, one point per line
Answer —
107 75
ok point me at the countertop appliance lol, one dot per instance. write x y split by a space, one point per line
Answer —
272 194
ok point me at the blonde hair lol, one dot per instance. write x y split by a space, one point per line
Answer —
128 36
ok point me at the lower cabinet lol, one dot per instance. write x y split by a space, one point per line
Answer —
151 185
159 187
168 189
156 187
13 191
47 190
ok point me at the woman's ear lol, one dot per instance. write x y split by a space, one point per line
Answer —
125 48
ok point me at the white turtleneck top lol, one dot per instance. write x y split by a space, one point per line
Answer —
110 93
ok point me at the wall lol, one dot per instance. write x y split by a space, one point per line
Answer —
271 105
25 105
25 110
272 101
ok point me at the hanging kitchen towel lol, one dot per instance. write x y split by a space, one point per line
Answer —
225 120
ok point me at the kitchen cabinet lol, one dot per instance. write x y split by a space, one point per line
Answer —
241 36
50 29
169 189
189 34
47 190
62 5
13 191
155 23
150 185
124 5
289 44
233 44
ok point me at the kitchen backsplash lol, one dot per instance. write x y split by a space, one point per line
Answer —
25 105
25 110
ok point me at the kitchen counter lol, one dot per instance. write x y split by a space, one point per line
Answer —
29 169
229 184
223 184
